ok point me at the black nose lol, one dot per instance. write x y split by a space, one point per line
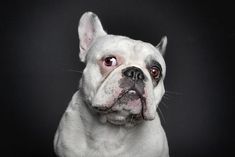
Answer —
134 73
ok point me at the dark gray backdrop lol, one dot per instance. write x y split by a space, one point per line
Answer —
40 47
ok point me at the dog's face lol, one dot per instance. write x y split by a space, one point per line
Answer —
123 78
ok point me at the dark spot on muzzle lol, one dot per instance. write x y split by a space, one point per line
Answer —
133 79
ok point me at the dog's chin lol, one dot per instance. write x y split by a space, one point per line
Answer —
124 118
117 118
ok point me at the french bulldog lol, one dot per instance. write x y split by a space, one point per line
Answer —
113 114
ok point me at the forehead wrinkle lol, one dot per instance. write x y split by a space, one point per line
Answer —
115 47
141 50
118 47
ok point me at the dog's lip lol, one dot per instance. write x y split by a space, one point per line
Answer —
117 122
142 99
102 109
124 92
134 91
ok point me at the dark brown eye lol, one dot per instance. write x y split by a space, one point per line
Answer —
110 61
155 72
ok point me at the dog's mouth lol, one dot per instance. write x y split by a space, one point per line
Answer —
127 98
130 100
127 107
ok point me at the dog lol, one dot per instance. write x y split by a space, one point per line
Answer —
114 112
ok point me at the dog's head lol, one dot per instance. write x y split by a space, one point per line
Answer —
123 78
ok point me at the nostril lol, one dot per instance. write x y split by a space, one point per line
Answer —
130 73
134 73
140 76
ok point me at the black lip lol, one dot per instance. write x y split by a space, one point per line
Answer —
102 109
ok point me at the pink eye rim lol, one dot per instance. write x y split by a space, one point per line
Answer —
110 61
155 72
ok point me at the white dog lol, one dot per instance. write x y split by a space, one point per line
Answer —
114 112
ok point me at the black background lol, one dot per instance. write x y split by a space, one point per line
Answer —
40 47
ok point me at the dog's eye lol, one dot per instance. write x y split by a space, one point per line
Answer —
155 72
110 61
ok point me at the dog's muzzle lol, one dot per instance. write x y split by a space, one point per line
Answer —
130 104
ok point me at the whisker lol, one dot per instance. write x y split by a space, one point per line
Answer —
165 96
169 96
161 114
164 104
173 92
72 70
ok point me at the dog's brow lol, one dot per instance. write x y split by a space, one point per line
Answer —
155 63
152 62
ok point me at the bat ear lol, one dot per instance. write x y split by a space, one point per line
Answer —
88 30
162 45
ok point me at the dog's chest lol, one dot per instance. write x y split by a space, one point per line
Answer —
107 140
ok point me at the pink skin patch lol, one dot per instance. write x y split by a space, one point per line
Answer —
104 69
135 106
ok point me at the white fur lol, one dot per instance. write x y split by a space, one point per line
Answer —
84 132
80 134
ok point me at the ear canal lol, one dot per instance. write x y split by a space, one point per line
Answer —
162 45
88 30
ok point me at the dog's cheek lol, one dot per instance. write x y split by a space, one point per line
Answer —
108 91
149 106
90 80
159 92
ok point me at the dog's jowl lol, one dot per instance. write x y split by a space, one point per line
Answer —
113 114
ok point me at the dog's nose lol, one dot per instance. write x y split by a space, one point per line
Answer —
134 73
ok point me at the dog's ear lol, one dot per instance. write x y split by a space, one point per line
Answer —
88 30
162 45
